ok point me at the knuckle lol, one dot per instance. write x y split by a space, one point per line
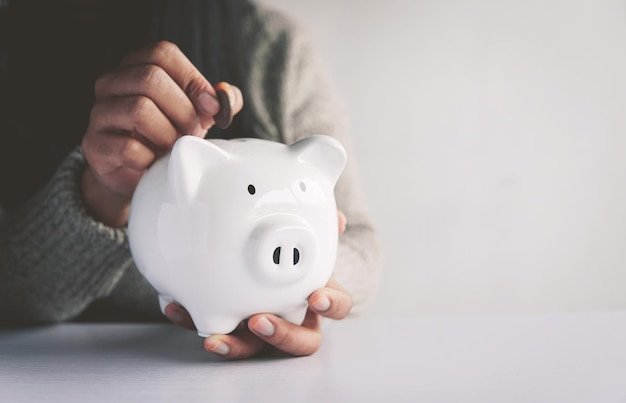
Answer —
193 82
130 151
162 50
138 108
151 76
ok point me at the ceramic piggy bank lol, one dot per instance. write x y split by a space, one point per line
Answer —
230 228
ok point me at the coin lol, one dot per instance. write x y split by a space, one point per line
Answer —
224 117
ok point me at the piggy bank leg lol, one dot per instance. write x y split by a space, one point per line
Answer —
296 316
216 326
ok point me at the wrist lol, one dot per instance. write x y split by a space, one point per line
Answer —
103 204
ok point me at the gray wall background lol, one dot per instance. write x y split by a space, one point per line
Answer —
491 138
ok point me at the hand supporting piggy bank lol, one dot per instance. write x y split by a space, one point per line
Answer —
231 228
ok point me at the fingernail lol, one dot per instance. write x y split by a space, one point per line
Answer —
218 347
208 104
321 304
264 326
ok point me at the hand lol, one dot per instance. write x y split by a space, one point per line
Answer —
266 330
155 96
263 330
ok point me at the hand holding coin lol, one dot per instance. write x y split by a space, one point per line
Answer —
141 107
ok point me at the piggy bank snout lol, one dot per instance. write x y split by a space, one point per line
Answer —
282 250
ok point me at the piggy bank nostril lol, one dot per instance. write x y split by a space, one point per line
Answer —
277 252
277 255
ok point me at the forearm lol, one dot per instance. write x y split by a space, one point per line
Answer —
54 258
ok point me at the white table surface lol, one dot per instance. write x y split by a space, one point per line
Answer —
550 358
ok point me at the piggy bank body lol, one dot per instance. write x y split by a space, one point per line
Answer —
230 228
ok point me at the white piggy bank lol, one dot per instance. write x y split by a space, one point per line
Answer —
230 228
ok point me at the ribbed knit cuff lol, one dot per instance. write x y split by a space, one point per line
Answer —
60 257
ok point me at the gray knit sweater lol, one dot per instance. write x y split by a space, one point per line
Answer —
57 263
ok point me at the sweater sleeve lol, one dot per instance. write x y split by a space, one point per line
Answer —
314 108
54 258
306 103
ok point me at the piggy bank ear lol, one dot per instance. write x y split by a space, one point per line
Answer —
190 159
325 152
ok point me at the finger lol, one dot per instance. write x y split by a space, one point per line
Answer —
106 152
331 303
122 181
343 221
154 83
237 104
241 343
179 316
171 59
286 336
134 114
117 161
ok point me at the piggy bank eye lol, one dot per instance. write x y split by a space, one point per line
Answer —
251 189
308 191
